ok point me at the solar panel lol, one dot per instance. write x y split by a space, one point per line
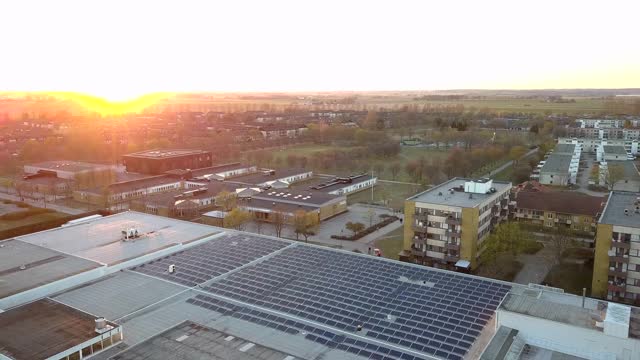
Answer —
342 291
213 258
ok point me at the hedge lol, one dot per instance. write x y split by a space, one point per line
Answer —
367 231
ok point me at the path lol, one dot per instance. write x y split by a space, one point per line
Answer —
535 267
60 208
508 163
583 179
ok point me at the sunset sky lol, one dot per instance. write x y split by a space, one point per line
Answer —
120 49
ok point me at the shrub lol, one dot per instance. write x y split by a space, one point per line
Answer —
532 247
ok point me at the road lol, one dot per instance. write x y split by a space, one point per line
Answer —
508 163
59 208
583 178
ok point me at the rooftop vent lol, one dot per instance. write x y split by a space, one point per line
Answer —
626 212
172 269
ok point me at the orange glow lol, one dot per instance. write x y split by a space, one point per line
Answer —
106 106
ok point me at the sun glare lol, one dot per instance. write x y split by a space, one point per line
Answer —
113 104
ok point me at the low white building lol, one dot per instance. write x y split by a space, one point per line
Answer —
545 323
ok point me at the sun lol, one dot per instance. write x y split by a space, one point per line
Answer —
113 103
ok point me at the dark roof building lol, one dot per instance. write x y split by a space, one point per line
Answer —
47 329
156 162
565 202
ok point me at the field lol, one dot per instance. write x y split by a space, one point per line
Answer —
390 194
391 244
29 220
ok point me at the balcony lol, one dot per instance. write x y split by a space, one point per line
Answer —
451 258
453 221
417 252
616 288
419 228
452 233
620 244
452 246
619 258
421 216
618 273
419 240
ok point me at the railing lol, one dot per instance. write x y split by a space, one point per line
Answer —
451 258
620 244
451 246
619 258
452 233
453 221
618 273
419 228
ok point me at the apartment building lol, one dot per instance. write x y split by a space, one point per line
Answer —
616 271
558 209
591 144
446 225
612 152
561 167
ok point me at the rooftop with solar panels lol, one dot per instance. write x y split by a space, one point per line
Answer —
236 295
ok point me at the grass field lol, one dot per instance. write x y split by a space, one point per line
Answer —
391 244
391 194
571 277
9 224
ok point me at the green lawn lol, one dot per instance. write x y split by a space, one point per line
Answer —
391 244
390 194
571 277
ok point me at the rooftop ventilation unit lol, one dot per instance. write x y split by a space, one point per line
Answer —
172 269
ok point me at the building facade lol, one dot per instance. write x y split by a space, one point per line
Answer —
449 222
616 271
155 162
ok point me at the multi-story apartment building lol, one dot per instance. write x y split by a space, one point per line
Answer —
616 270
559 209
446 225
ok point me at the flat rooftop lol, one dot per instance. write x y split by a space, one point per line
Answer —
263 176
557 163
292 299
311 198
164 154
614 149
41 266
42 329
190 340
68 165
562 149
100 240
441 195
332 184
614 209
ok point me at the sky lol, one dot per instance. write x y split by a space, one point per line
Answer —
120 49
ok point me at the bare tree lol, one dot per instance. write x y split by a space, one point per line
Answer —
615 173
258 223
278 220
394 168
560 241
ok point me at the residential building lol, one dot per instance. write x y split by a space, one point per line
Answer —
278 131
555 170
446 225
591 144
612 153
616 270
155 162
559 209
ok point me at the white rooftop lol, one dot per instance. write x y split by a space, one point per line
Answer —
101 239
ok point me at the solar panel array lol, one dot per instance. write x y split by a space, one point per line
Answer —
416 308
330 339
215 257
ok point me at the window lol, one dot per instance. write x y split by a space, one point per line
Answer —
550 215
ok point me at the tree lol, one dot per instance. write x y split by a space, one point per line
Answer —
516 153
258 223
371 121
237 218
378 168
615 173
226 200
354 227
394 168
304 223
278 219
560 241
